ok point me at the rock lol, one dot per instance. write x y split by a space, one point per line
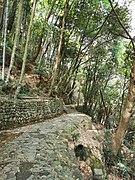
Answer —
30 178
97 174
77 174
11 175
70 109
23 175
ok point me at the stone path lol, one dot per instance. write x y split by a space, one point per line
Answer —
42 152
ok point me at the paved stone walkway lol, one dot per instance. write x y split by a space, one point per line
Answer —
42 152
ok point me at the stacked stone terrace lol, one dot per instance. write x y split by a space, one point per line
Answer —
27 110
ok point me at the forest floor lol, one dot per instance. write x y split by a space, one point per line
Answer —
33 84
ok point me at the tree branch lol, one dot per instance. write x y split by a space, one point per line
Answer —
119 21
100 28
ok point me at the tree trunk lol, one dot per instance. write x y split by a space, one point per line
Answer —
59 48
118 137
39 47
4 45
46 49
1 13
16 39
26 50
47 43
41 36
12 15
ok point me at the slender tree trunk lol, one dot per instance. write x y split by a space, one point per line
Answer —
24 22
123 95
39 47
104 120
4 45
1 13
42 33
118 137
46 49
42 53
74 65
59 48
47 43
16 39
12 15
26 50
71 69
79 94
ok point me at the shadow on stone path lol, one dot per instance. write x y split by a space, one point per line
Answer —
42 151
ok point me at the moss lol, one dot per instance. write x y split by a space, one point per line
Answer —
76 135
96 163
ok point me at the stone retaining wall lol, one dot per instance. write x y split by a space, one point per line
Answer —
27 111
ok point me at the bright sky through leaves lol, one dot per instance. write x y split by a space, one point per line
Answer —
132 9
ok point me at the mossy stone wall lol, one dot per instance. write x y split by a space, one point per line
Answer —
27 111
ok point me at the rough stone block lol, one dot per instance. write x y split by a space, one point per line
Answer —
97 174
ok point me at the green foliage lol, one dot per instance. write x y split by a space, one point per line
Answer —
25 89
121 162
76 136
113 22
44 72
